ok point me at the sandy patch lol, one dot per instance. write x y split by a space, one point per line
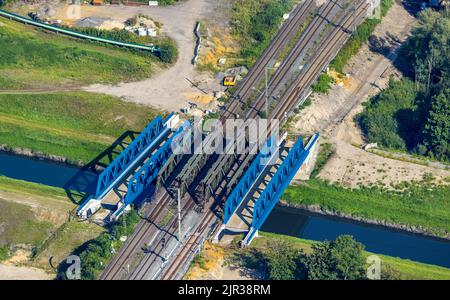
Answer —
214 267
10 272
166 90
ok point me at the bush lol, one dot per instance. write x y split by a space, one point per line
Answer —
4 252
392 118
415 116
255 22
361 35
95 254
323 84
168 52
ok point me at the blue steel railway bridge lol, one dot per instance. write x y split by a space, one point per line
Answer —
184 198
189 198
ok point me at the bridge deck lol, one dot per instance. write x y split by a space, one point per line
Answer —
117 194
241 220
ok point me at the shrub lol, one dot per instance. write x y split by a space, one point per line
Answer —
4 252
168 52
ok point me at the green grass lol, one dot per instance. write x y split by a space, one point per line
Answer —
407 269
362 34
4 252
255 22
25 187
35 58
326 151
323 84
21 226
75 125
72 236
95 254
418 205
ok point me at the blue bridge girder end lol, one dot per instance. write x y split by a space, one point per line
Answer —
296 158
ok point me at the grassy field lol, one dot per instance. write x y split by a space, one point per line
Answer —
30 188
21 225
406 269
30 211
75 125
35 59
418 205
71 237
36 216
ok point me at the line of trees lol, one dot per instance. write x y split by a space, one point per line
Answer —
341 259
414 114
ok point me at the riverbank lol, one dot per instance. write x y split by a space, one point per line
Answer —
40 155
231 262
317 209
36 228
70 127
422 209
403 268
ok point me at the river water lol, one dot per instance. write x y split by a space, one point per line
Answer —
378 239
47 172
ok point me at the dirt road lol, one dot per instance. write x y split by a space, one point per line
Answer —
169 89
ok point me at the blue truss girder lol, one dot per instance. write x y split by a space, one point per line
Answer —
278 184
149 171
128 157
240 192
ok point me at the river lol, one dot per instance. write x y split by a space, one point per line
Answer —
47 172
378 239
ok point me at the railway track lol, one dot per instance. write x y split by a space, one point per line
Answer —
140 235
281 40
145 265
325 15
324 55
305 42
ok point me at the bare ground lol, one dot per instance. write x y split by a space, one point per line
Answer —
213 266
333 115
170 89
11 272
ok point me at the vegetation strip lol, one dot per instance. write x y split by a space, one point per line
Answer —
96 254
76 125
35 59
391 267
421 207
351 47
413 114
21 19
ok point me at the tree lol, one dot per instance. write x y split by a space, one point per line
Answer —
342 258
280 259
436 134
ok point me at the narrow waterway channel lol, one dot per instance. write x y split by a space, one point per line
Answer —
47 172
378 239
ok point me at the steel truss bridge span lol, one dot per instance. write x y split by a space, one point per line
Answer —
136 167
